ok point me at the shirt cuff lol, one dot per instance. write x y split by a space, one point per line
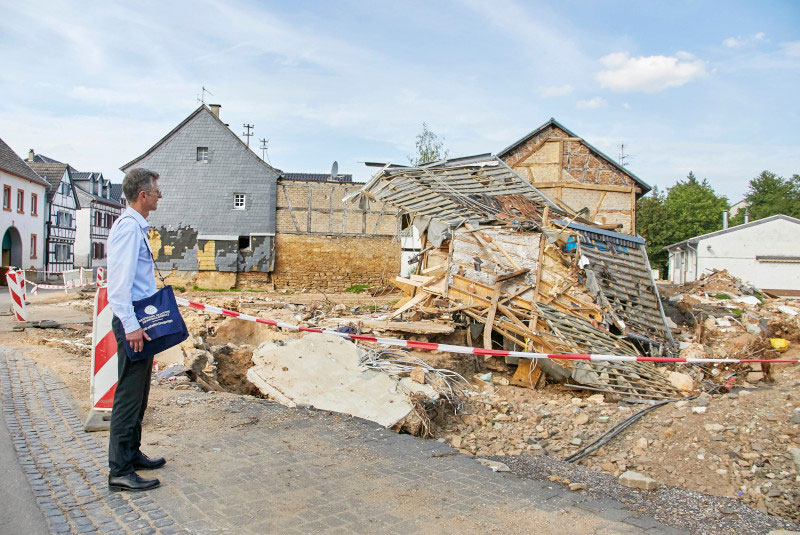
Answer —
130 324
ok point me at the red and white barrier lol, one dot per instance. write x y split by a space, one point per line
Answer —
429 346
104 355
16 287
101 276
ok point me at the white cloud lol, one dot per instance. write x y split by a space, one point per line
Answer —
648 73
791 48
736 42
591 104
551 91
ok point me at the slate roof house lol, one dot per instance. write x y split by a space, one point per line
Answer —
22 215
576 175
765 252
61 206
217 215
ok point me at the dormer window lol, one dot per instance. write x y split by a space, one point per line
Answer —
94 187
202 154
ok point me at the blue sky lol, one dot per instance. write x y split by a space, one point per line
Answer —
686 85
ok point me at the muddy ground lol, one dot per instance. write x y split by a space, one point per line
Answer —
737 444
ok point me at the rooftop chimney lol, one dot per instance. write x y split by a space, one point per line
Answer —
724 219
215 109
30 155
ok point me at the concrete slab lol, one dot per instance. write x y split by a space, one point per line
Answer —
324 371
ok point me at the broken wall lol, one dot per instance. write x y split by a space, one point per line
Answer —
565 168
334 263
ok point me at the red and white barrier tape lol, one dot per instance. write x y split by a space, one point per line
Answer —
466 350
36 287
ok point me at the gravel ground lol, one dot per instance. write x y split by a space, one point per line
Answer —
695 512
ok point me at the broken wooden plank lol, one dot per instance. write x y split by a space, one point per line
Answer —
487 330
415 327
417 299
527 375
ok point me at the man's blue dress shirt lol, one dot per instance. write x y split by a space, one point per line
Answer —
130 267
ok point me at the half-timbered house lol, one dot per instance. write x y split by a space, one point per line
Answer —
97 213
61 206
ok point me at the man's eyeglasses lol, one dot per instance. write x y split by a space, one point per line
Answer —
156 192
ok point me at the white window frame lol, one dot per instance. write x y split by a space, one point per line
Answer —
202 154
237 205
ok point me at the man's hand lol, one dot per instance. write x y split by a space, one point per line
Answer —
136 339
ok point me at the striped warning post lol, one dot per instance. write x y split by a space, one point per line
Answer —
16 287
104 361
101 276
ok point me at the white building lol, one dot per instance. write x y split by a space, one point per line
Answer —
22 216
96 214
765 253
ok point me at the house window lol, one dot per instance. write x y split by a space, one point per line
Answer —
238 201
34 204
65 188
202 154
97 216
7 198
33 245
62 252
98 251
20 201
244 243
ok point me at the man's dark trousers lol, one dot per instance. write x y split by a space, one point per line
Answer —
130 402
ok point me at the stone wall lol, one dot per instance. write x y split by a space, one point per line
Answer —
319 208
334 263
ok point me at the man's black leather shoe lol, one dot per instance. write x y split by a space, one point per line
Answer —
132 481
143 462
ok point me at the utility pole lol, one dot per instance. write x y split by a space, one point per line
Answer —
247 134
264 143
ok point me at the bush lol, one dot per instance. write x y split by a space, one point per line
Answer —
358 288
722 296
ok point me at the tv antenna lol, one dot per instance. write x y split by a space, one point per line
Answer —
202 98
622 156
264 145
247 134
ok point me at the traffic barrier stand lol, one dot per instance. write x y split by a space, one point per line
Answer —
101 276
103 382
15 278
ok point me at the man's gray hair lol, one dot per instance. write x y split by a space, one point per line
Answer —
136 180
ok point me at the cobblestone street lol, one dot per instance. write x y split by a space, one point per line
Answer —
290 471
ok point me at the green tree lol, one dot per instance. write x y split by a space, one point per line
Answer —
689 208
771 194
650 216
429 147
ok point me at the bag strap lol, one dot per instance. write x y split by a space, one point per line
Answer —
147 244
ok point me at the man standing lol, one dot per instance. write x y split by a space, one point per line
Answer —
131 278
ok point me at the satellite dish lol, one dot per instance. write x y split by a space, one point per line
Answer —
335 170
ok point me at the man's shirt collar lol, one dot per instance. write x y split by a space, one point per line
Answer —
138 217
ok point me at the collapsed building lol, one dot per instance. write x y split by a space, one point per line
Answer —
522 272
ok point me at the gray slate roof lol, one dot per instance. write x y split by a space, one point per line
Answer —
51 172
317 177
732 229
183 123
13 164
116 192
41 158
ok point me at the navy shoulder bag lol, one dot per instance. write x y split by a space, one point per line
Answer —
159 318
